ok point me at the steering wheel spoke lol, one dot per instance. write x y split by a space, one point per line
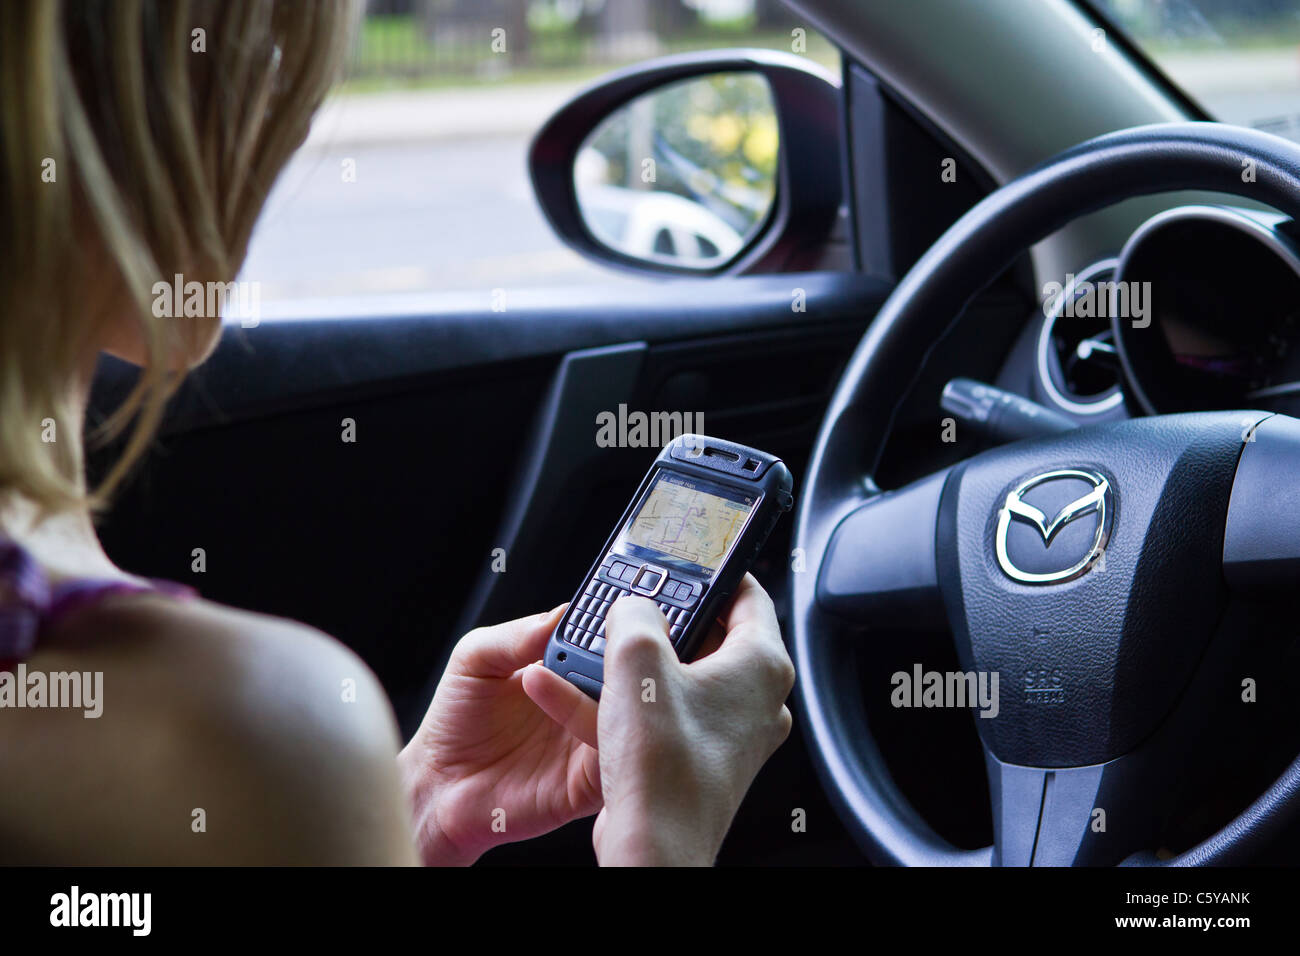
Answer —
1070 816
1261 542
880 566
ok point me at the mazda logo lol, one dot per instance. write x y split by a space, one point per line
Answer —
1045 558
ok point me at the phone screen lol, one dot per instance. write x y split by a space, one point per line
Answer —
687 523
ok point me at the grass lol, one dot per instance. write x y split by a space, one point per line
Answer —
1160 46
394 53
1220 34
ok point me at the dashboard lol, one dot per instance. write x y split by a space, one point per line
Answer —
1199 310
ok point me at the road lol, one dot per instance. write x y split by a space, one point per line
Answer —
418 217
439 200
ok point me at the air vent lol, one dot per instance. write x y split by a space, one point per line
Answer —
1078 366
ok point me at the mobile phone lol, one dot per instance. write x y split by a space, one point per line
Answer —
692 530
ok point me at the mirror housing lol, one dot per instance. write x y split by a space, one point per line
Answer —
808 177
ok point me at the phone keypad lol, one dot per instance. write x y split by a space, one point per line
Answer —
679 618
585 624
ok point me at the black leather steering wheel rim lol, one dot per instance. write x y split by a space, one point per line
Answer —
924 306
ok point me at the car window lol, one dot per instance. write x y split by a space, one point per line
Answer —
414 176
1240 59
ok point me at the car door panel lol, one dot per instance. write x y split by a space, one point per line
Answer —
380 540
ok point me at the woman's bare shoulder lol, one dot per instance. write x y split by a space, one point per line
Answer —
215 735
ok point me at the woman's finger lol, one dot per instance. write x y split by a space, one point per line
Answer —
751 605
753 634
712 642
562 702
500 650
638 646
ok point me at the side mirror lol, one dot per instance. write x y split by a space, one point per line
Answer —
699 164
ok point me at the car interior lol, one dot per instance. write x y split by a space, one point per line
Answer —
919 311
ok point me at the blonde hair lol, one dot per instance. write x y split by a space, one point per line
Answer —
138 139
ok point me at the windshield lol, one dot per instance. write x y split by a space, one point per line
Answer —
1240 59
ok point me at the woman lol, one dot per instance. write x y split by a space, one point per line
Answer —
138 141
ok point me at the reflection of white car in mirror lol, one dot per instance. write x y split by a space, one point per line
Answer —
650 224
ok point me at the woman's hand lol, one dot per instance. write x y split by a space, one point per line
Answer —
679 744
487 766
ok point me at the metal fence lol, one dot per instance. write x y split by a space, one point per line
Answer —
431 40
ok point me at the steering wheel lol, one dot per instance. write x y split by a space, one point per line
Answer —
1092 570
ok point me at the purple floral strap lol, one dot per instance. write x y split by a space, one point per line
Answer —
29 602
